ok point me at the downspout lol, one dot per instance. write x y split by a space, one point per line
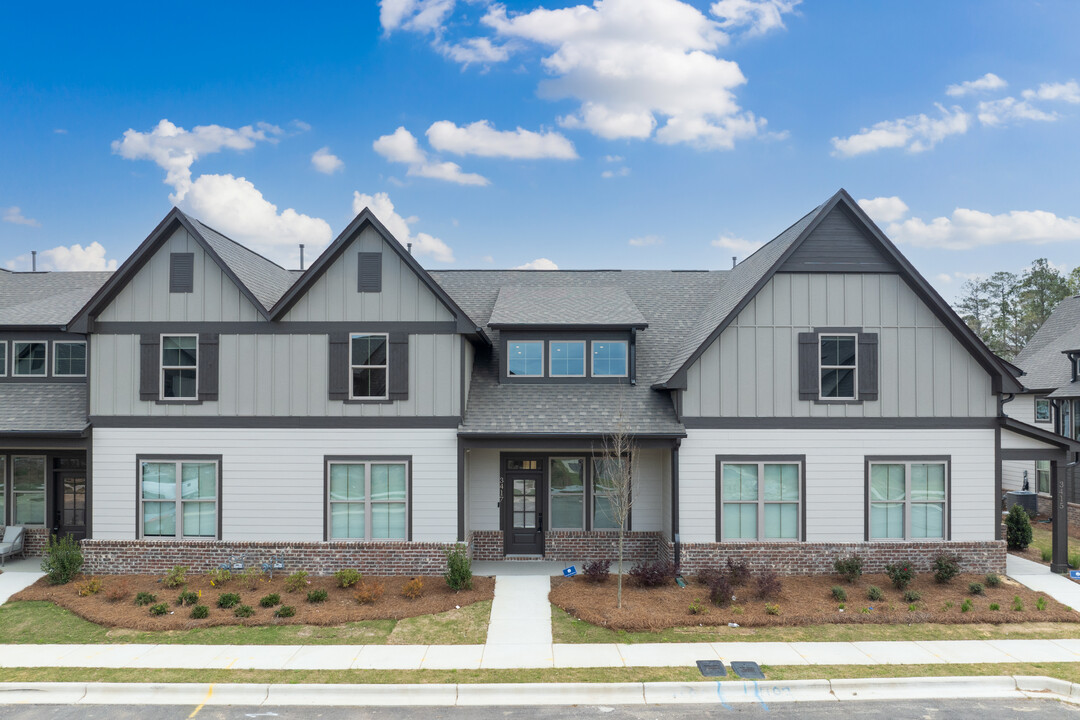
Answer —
675 504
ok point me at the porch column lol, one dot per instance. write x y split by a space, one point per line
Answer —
1059 561
461 491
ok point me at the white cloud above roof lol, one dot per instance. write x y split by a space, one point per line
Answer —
401 146
423 244
986 83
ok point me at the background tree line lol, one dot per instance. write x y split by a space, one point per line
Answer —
1005 309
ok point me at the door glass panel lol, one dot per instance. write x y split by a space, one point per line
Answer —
74 506
524 504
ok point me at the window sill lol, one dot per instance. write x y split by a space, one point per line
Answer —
856 401
367 401
178 402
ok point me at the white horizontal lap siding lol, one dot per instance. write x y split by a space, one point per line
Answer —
272 479
1016 441
1012 475
483 489
835 475
647 478
1022 408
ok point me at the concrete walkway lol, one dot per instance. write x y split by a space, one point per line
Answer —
1038 577
519 632
19 575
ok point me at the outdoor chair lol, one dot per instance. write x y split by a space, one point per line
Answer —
12 544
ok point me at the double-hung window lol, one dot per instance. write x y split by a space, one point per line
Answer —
3 358
838 366
760 500
1042 410
609 358
567 494
908 500
179 367
69 359
28 490
1042 476
525 358
368 500
178 498
368 366
607 486
567 358
29 357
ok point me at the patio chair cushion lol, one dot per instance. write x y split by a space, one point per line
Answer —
7 548
13 535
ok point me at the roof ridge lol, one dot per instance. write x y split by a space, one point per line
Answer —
234 242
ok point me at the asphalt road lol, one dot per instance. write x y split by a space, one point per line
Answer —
913 710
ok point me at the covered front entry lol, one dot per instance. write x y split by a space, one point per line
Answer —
523 491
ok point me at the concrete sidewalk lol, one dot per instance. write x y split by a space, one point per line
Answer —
1038 577
19 575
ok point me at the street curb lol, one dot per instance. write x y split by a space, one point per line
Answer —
724 693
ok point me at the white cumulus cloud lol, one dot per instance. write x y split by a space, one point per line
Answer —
73 258
537 264
422 243
968 229
476 50
326 162
1009 109
884 209
646 240
482 139
914 133
1066 92
757 16
986 83
401 146
14 215
739 246
621 172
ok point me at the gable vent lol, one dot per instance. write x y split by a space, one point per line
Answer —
181 272
369 274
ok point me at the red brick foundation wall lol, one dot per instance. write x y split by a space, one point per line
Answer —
34 540
1046 507
486 545
817 558
574 545
318 558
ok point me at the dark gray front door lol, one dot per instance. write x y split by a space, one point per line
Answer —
71 503
523 513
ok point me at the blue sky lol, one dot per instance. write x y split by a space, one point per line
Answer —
625 133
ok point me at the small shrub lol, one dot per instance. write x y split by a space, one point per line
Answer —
654 574
946 567
368 592
1074 560
458 573
228 600
1017 604
414 589
975 588
250 577
696 608
912 596
270 600
317 596
768 585
949 604
772 609
1047 554
848 567
966 605
63 559
1040 603
596 571
839 594
347 577
866 611
992 580
200 612
874 593
1017 528
738 572
912 607
901 574
995 607
244 611
175 577
297 581
285 611
159 609
117 591
219 576
89 586
145 598
737 609
841 606
188 597
709 576
720 593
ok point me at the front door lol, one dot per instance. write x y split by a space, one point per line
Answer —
70 503
523 512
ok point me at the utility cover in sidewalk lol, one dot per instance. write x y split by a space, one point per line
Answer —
711 668
747 670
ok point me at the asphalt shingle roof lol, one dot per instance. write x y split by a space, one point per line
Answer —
566 305
46 298
43 407
1042 360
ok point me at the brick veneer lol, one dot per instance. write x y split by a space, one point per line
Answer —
573 545
318 558
1046 507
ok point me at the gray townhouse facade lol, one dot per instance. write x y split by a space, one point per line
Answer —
817 399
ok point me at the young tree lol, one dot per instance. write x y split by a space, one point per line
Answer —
611 484
1004 336
973 306
1040 289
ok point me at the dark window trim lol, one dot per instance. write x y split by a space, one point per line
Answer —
181 458
868 459
407 459
4 362
1049 410
800 460
161 399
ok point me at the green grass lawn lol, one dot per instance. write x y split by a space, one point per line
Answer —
44 623
1042 539
566 629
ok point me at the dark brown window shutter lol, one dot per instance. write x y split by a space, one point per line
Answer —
868 366
181 272
208 366
338 371
399 366
369 274
149 366
809 376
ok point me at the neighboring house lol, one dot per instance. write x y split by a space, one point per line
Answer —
819 398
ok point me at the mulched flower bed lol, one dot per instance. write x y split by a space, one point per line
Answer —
803 600
339 607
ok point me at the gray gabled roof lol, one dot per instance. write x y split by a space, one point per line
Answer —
567 305
1042 360
267 280
43 407
45 299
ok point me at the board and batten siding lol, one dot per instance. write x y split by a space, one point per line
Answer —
751 370
835 475
146 298
272 479
1021 408
333 297
278 375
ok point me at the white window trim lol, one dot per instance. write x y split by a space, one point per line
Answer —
1049 478
543 351
584 482
86 360
551 358
179 501
908 502
4 364
13 494
854 367
592 357
368 501
162 367
14 351
385 367
761 502
1049 411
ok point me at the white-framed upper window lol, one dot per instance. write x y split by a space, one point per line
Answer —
610 358
29 358
69 359
567 489
525 358
908 500
367 499
1042 410
178 498
567 358
368 354
838 366
1042 476
760 500
179 367
3 361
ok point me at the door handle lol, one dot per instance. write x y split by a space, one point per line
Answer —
540 520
